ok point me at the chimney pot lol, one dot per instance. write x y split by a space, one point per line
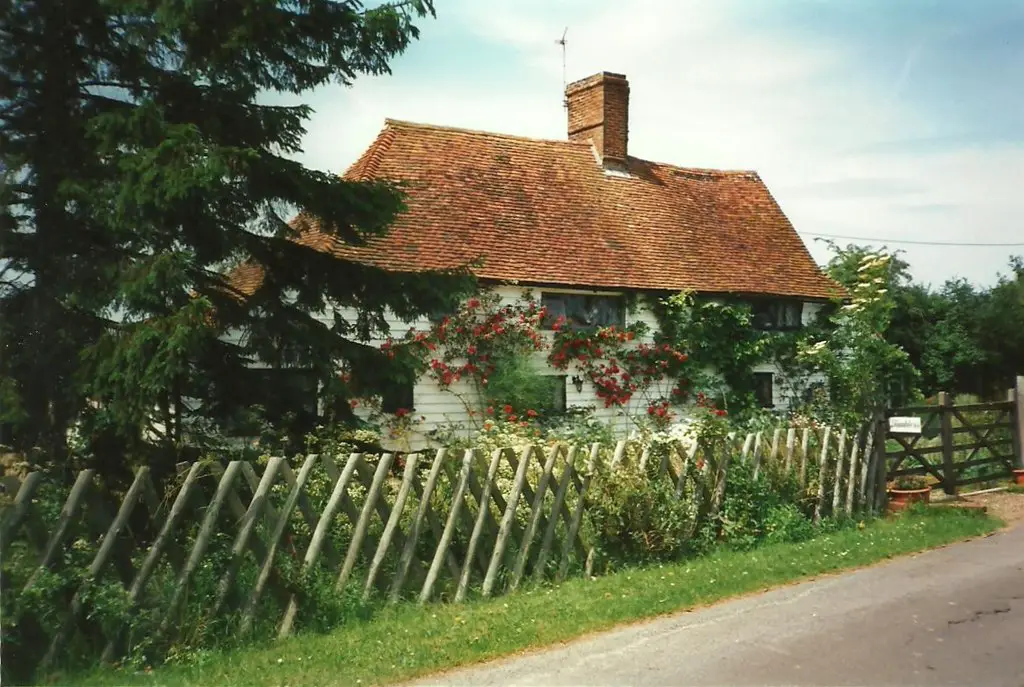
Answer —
598 109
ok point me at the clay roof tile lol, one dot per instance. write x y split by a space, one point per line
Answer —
546 212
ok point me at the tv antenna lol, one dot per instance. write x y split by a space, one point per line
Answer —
561 41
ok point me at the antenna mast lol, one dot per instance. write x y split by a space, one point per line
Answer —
561 41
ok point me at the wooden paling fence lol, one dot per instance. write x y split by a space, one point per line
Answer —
417 527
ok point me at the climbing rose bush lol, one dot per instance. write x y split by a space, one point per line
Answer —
620 367
485 353
482 335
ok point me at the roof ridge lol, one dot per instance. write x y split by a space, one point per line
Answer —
400 123
707 171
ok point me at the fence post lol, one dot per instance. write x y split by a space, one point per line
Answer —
946 423
881 495
1018 425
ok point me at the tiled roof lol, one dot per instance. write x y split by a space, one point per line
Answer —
246 278
546 212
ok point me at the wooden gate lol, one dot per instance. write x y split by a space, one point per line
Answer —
955 444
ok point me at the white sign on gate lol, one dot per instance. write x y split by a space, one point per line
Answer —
905 425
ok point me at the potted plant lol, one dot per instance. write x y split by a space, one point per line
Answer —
1018 476
907 489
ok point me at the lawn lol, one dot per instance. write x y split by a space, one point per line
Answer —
407 641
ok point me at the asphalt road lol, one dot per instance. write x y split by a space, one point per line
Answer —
953 616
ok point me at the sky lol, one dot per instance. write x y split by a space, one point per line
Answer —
874 119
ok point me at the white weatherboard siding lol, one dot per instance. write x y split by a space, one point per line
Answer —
784 394
435 407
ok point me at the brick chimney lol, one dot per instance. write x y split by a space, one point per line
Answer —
599 112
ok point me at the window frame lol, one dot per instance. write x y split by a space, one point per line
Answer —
617 299
778 311
560 402
759 377
405 390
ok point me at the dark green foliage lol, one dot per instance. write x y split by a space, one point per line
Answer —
753 510
637 518
139 165
961 337
787 523
720 337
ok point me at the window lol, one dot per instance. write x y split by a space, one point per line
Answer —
764 389
436 316
777 315
397 394
557 394
582 311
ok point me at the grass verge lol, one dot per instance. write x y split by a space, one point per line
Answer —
408 641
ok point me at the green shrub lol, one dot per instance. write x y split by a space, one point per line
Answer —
751 510
636 518
786 523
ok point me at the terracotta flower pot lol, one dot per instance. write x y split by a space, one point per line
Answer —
899 499
1018 476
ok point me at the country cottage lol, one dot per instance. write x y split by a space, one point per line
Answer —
581 224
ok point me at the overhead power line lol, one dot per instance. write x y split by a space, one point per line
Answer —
869 239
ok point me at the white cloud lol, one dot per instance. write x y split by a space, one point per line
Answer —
708 90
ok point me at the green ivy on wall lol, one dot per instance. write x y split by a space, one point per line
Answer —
723 343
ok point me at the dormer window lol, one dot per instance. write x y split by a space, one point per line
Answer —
777 315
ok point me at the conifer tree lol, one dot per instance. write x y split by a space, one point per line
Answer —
144 165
